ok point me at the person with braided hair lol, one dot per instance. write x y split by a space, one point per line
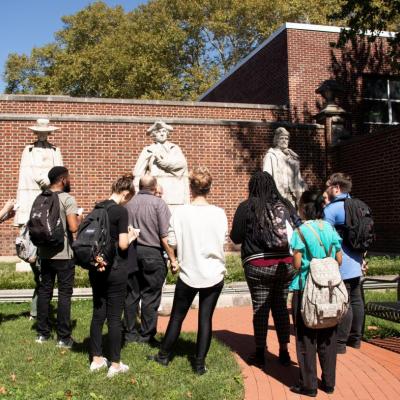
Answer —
261 226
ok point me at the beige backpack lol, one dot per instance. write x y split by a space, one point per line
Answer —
325 299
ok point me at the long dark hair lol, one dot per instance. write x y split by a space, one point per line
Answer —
263 195
311 205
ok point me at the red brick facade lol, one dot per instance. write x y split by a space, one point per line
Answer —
374 164
100 139
293 63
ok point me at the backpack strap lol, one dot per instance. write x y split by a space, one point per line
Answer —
328 254
304 241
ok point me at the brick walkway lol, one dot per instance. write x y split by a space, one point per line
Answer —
371 373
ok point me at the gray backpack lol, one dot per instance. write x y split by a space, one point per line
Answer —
325 299
24 247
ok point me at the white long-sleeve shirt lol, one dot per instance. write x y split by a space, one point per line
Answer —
199 233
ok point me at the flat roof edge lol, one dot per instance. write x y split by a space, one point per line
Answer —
69 99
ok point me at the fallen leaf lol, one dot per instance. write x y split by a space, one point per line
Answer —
63 352
29 359
3 390
372 328
13 377
189 394
133 381
68 395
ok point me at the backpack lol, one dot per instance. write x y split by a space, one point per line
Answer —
24 247
45 225
358 231
325 299
93 244
280 218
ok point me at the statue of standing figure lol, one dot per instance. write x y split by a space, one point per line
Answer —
37 160
284 166
165 161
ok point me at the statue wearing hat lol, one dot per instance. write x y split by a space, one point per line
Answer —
284 166
37 159
165 161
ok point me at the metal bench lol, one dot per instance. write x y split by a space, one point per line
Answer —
389 311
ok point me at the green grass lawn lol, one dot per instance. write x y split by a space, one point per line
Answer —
9 279
41 371
377 327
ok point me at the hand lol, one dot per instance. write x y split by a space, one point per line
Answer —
364 267
174 267
9 205
133 234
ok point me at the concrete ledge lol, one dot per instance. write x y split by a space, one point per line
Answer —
150 120
69 99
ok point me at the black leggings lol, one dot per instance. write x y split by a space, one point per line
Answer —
109 291
183 298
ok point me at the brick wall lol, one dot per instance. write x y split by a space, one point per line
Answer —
373 162
294 63
263 79
100 139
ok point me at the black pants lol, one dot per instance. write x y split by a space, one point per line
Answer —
309 342
109 291
269 287
146 285
64 270
350 328
183 298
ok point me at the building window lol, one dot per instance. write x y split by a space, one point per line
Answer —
382 100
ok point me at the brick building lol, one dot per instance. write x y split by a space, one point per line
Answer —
101 138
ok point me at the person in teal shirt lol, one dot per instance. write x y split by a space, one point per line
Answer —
310 341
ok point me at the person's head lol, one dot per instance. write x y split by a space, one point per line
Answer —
159 191
124 188
325 198
159 131
337 184
59 178
281 138
311 205
149 183
263 187
200 181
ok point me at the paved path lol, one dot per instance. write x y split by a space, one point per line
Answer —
370 373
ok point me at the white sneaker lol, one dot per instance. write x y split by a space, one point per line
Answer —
112 371
94 366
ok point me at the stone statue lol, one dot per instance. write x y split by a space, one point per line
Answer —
284 166
165 161
37 159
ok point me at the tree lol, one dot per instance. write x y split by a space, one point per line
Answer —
165 49
372 17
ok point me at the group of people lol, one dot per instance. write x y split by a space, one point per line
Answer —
191 241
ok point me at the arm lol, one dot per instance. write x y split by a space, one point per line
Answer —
339 257
297 255
171 255
174 161
7 211
73 222
238 231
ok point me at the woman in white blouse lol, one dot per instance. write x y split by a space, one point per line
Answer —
198 231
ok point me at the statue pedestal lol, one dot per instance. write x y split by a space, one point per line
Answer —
23 266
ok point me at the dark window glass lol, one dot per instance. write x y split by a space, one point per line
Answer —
376 111
395 112
395 89
376 88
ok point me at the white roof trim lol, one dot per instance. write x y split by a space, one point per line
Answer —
287 25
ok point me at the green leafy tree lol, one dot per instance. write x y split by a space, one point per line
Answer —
372 16
165 49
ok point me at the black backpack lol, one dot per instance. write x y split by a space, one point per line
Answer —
358 231
45 225
93 241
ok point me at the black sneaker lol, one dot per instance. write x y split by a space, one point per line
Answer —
258 358
160 359
327 389
66 343
42 339
284 358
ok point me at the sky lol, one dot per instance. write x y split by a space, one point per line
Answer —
26 24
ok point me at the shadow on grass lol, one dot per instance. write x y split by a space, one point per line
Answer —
13 317
243 345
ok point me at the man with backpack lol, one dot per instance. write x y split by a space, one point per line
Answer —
54 217
352 219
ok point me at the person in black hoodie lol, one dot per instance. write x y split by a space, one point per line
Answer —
260 226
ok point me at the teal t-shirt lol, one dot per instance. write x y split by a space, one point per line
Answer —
328 236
